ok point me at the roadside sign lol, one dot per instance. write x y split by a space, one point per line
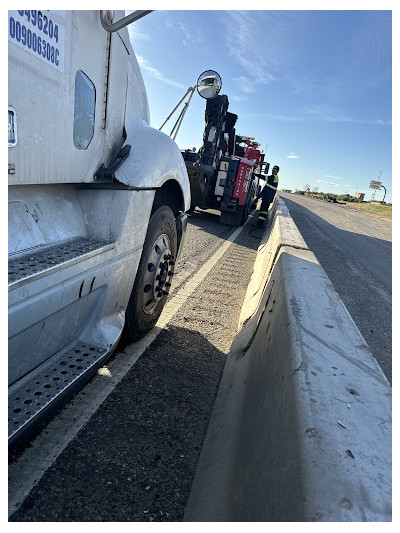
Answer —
375 184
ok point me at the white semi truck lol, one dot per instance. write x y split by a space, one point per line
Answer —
97 202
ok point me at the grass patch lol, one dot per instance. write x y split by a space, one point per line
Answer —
377 209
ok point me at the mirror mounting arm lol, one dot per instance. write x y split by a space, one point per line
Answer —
180 120
208 78
106 17
176 107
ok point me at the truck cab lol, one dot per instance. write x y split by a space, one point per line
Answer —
97 201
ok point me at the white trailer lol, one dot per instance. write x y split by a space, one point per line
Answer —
97 202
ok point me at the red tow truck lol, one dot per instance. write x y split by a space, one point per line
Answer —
224 174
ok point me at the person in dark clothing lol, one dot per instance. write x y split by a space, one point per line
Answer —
267 195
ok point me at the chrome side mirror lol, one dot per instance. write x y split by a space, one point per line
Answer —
209 84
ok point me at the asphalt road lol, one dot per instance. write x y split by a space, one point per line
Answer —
126 448
133 456
355 250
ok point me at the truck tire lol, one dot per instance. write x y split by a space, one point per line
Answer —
153 278
245 214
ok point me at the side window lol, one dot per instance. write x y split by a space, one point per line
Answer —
85 103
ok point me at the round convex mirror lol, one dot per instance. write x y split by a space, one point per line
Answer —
209 84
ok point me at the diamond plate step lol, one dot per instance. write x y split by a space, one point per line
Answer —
44 262
37 394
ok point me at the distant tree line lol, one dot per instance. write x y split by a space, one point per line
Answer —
321 195
314 193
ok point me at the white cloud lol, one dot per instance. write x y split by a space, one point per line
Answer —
271 116
191 36
238 98
156 74
245 46
313 114
292 156
244 85
326 113
330 183
136 34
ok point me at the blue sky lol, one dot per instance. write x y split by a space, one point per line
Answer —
313 87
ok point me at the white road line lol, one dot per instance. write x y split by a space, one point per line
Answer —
27 471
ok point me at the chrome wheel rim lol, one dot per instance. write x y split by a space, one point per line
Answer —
158 274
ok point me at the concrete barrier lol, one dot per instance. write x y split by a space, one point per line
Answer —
301 427
281 231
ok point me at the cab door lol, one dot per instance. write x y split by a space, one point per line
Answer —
58 75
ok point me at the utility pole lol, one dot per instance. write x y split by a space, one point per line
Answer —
384 196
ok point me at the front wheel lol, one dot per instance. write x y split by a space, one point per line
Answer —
154 275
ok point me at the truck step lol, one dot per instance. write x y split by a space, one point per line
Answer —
23 269
35 396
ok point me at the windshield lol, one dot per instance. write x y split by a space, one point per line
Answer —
208 81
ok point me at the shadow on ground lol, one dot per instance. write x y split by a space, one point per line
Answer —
208 221
136 457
